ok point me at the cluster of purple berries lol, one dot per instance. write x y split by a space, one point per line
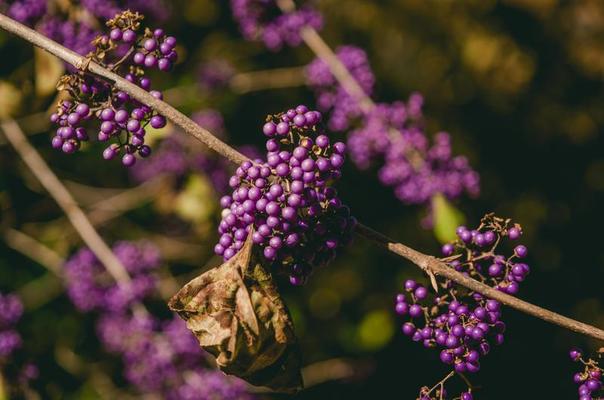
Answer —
590 379
461 323
287 202
331 96
160 357
482 263
11 310
122 119
263 20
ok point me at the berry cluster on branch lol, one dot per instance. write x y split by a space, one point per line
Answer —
463 324
288 201
123 120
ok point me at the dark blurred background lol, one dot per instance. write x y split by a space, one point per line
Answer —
517 83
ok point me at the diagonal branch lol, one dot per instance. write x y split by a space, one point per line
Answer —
425 262
53 185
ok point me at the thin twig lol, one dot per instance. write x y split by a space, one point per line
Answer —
53 185
277 78
425 262
32 124
110 207
45 288
104 199
315 42
122 84
438 267
35 250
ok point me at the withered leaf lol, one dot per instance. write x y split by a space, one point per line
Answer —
237 314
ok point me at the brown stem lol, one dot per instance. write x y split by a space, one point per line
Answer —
325 53
315 42
436 266
35 250
425 262
276 78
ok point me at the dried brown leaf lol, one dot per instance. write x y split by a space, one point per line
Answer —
237 314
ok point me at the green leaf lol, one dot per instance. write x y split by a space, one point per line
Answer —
446 218
196 203
3 393
375 330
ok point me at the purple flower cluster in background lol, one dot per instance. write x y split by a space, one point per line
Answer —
17 375
105 9
332 98
163 358
391 135
215 74
160 356
11 310
263 20
77 36
461 323
288 202
25 11
65 24
90 288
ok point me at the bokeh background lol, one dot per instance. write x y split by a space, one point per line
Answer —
517 83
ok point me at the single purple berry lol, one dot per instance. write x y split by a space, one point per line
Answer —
128 160
158 121
129 36
448 249
164 64
514 233
520 251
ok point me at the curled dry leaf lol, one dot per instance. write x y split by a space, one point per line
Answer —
237 314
